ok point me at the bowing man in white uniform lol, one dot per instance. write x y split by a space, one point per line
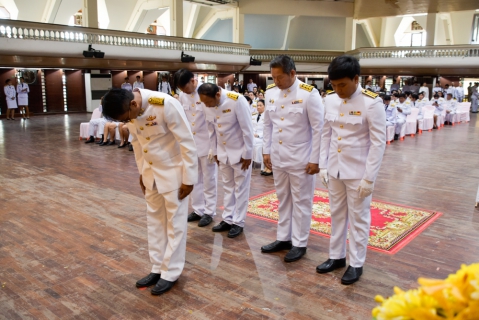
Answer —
22 92
165 154
232 143
138 84
292 138
352 148
11 97
203 196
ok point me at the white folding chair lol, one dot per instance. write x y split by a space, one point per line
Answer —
427 122
411 122
390 134
84 126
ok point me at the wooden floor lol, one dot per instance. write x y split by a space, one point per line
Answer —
73 235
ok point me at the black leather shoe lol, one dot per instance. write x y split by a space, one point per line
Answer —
193 217
295 254
90 140
104 143
130 147
268 173
330 265
162 286
149 280
222 226
396 137
101 140
277 246
205 220
351 275
112 143
235 231
122 145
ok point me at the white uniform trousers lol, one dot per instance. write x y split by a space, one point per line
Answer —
203 196
389 124
295 190
450 116
399 124
167 229
348 208
98 124
236 185
474 105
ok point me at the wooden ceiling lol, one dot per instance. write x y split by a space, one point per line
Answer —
383 8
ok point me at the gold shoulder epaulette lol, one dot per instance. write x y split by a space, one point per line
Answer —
157 101
331 92
232 96
306 87
270 86
370 94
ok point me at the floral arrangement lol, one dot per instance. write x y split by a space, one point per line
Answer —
456 297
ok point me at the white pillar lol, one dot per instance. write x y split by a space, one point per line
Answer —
176 18
350 36
431 29
238 27
90 14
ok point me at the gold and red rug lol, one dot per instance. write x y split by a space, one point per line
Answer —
392 226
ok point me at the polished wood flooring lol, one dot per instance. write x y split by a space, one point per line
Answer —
73 235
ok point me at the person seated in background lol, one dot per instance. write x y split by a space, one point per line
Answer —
253 101
408 95
109 130
438 103
391 111
451 107
441 95
124 134
403 110
437 88
368 86
449 89
127 85
419 103
258 125
260 96
250 102
394 99
98 124
236 89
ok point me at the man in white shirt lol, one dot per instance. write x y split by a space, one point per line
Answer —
127 85
251 85
436 88
425 90
459 93
451 107
164 85
403 110
138 83
232 143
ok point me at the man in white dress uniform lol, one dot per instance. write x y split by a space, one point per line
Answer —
22 92
165 154
292 136
232 146
11 97
138 84
352 148
203 196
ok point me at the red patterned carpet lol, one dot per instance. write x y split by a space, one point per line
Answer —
392 226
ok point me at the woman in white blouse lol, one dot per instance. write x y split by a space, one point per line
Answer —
11 96
22 91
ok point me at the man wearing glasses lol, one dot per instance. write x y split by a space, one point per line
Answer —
166 157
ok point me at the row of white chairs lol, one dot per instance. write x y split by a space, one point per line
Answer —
427 123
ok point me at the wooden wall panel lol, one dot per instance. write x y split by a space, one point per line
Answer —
54 90
35 100
223 78
117 78
150 80
4 75
76 100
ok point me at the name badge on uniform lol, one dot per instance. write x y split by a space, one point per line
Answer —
297 101
150 124
151 118
354 113
227 111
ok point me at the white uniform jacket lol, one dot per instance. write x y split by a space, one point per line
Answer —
459 94
126 86
450 105
292 125
20 88
195 113
258 125
354 136
391 114
440 107
164 146
406 110
231 120
137 84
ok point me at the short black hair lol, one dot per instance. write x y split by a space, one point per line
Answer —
208 89
387 98
6 81
262 101
407 93
22 78
138 76
116 102
344 66
182 77
248 99
415 96
436 95
284 62
401 95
